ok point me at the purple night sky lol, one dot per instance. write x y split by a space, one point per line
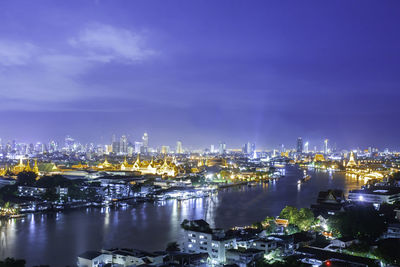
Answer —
201 71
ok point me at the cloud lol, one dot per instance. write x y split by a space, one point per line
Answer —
14 54
106 43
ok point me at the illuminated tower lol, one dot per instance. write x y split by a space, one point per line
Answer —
351 162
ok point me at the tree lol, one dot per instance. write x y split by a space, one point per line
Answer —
51 195
11 262
387 251
303 218
289 213
362 222
26 178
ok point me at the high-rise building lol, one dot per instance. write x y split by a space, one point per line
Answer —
249 148
115 147
138 147
179 149
123 144
165 149
222 148
282 148
306 149
212 149
299 145
326 150
69 143
145 141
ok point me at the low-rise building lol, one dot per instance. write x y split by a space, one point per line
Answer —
376 195
30 191
93 259
200 238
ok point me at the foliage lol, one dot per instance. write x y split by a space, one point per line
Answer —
54 181
11 262
287 262
304 218
388 250
291 229
396 176
26 178
50 195
269 225
8 192
362 222
258 225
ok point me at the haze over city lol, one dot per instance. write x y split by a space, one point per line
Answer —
199 133
265 72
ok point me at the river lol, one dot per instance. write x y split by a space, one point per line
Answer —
56 239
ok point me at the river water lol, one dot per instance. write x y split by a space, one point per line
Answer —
56 239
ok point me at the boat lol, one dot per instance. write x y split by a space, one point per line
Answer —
250 184
305 178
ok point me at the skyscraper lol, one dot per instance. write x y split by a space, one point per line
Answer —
179 149
138 147
69 143
326 146
165 149
222 148
249 148
212 149
306 147
123 146
299 145
145 141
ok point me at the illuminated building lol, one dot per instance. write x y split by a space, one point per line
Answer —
115 147
319 157
306 147
179 149
326 146
212 149
299 145
35 167
69 143
105 164
152 167
138 147
123 146
352 162
164 149
376 195
125 165
19 168
216 162
222 148
145 140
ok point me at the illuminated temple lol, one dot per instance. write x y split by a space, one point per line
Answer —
20 167
144 167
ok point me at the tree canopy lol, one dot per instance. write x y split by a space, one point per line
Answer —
303 218
362 222
26 178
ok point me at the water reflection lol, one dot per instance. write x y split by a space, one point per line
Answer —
40 238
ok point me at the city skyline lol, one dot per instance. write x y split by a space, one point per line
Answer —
93 67
121 143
